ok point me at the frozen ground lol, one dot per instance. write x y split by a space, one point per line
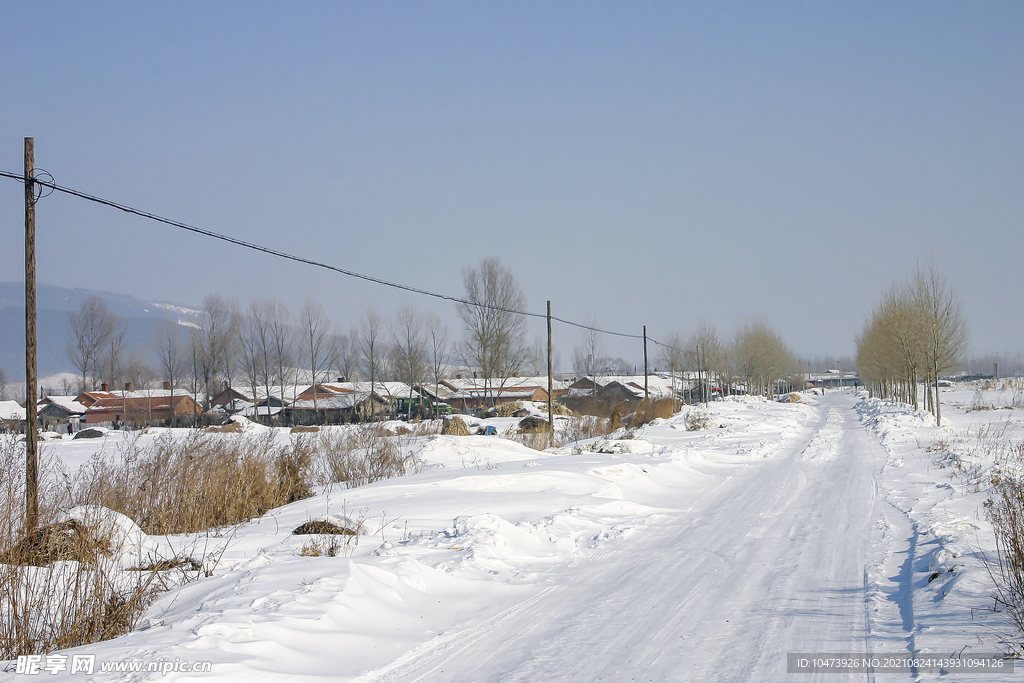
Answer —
671 556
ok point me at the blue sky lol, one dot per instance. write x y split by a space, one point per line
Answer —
650 163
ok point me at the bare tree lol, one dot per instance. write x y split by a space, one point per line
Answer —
673 356
589 358
257 347
345 355
917 332
195 360
139 374
945 331
3 385
437 348
170 351
709 358
408 350
314 341
760 358
249 356
113 350
371 343
282 342
90 328
220 336
494 330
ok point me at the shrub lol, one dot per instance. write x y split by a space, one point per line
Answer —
651 409
584 427
697 420
58 587
1005 512
359 456
197 482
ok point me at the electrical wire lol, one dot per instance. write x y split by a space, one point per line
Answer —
301 259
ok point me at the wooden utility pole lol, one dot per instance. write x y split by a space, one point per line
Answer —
647 393
551 388
31 437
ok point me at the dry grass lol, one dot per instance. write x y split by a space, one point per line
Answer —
560 409
359 456
697 420
584 427
455 426
506 409
197 482
58 587
567 432
327 538
329 546
62 585
651 409
1005 512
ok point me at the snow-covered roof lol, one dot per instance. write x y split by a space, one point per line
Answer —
68 403
290 391
254 411
388 390
11 410
659 385
506 394
334 401
511 382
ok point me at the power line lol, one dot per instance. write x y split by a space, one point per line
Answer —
307 261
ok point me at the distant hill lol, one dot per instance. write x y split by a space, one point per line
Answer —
52 306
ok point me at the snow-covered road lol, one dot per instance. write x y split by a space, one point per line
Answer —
831 525
771 561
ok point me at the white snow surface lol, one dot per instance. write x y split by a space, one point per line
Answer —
671 555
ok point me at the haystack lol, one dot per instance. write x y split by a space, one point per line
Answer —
454 426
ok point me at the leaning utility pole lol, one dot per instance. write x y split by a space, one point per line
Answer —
31 444
551 389
646 392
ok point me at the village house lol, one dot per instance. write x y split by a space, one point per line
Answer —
12 416
55 412
337 408
140 410
469 400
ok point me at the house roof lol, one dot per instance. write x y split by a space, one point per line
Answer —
68 403
245 393
512 382
134 404
342 401
386 390
506 394
11 410
441 391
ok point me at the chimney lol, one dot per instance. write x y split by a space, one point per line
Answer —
103 386
167 386
127 386
341 380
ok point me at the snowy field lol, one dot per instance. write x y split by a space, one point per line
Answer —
834 525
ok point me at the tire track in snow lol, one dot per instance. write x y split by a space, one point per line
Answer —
822 446
767 563
422 662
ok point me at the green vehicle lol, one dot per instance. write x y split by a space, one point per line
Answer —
422 406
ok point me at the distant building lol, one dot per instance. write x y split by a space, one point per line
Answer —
140 410
468 400
56 411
